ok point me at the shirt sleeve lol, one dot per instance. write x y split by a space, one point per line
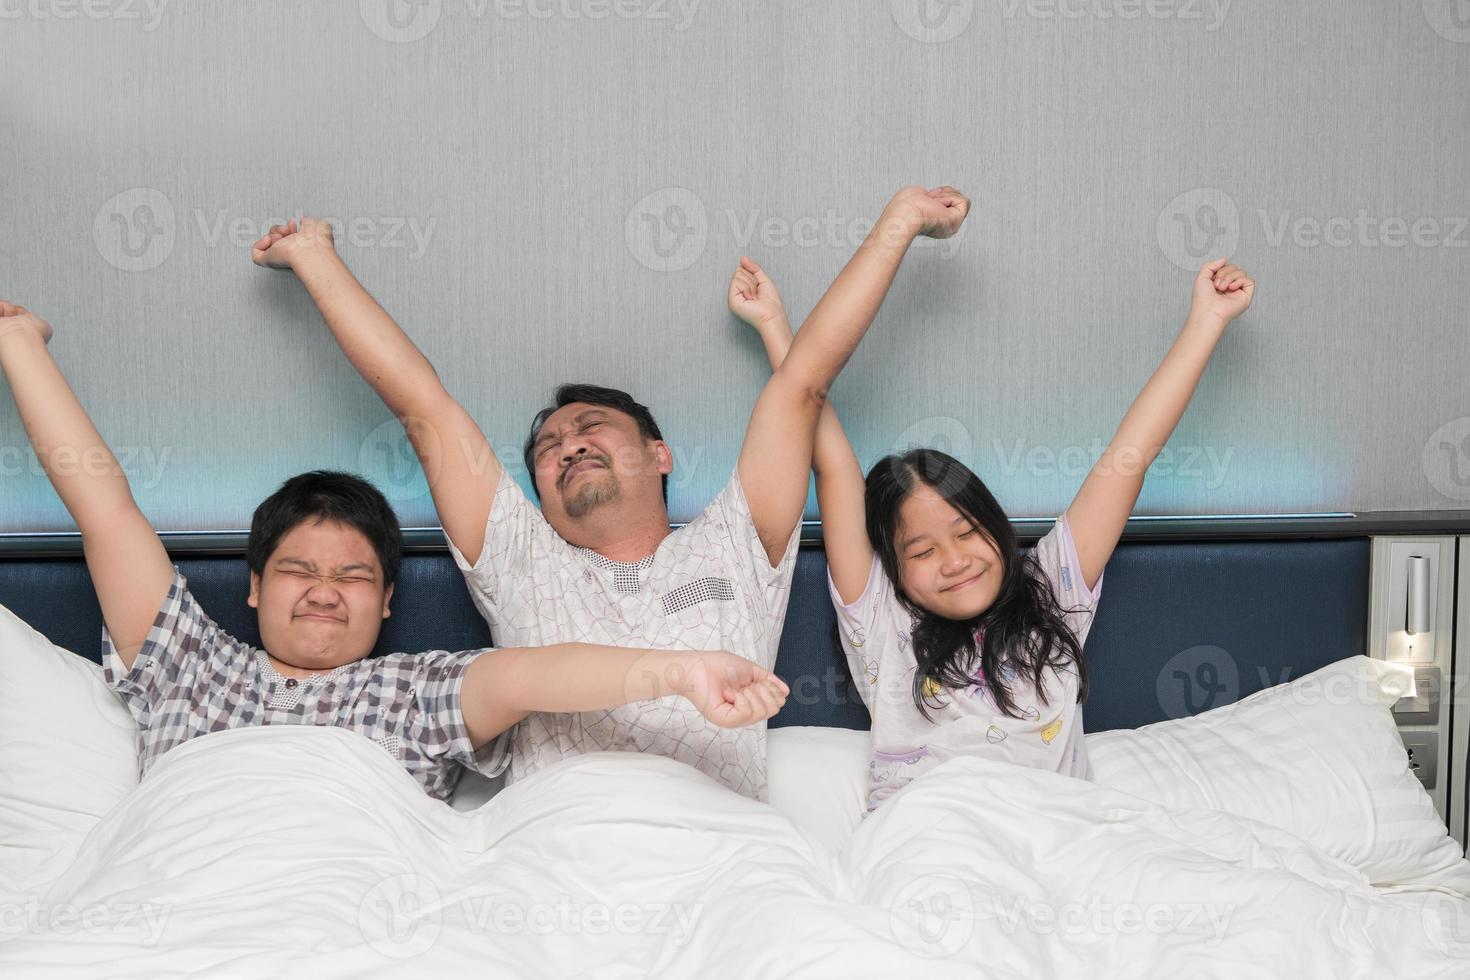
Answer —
746 554
1056 556
859 628
178 651
440 731
514 530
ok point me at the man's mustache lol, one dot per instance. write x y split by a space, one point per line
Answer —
561 480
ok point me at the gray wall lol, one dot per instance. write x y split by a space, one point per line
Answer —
504 163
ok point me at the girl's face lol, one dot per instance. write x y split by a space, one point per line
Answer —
946 564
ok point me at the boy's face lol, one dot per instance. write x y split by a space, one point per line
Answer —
588 456
321 600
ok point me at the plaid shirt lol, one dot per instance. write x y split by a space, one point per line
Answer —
192 678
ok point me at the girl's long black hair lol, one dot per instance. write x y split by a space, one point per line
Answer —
1024 627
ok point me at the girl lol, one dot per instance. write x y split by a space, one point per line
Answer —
959 644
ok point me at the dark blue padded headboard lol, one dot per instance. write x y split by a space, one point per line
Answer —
1182 626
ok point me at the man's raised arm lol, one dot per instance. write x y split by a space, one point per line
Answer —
457 459
776 456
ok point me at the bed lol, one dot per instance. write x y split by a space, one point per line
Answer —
1252 815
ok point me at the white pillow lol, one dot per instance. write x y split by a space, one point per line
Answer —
1319 757
819 778
70 754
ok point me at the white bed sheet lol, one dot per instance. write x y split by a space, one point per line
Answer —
286 851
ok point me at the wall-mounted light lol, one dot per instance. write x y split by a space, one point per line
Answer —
1417 618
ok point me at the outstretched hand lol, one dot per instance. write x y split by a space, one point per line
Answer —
753 297
14 319
731 691
277 248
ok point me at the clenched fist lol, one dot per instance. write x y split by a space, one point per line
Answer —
284 244
14 319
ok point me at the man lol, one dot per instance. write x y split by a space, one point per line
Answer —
323 553
598 561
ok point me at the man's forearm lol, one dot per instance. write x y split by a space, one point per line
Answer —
832 452
377 347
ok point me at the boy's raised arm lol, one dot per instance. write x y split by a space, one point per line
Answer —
130 569
456 457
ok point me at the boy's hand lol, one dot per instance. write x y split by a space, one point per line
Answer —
14 319
1221 292
753 297
730 691
936 213
284 244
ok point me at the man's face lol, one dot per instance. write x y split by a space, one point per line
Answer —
589 456
321 599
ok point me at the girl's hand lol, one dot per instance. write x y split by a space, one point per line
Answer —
731 691
283 244
1221 292
14 319
753 298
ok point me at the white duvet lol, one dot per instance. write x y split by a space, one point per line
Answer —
286 851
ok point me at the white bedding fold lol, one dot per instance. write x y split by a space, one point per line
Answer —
309 852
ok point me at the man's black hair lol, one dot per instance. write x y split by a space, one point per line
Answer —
570 394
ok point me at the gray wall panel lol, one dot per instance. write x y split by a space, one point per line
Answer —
522 148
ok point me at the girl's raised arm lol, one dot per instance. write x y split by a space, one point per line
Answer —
840 485
1100 510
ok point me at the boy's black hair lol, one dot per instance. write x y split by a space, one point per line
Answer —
570 394
325 495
